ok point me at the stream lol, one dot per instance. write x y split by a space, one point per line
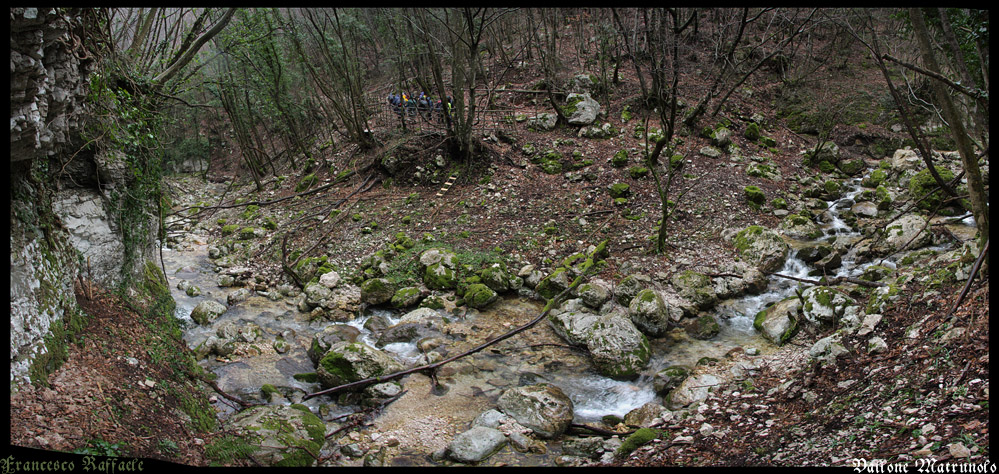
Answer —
475 383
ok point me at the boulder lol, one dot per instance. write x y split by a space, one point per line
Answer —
581 109
238 296
721 138
669 378
814 253
594 293
330 335
909 231
762 248
906 159
693 389
496 278
553 284
281 435
617 347
752 281
584 82
628 288
830 262
597 131
573 322
542 407
778 323
543 121
406 297
865 209
799 227
704 327
207 311
476 444
376 291
827 349
479 296
696 288
823 304
343 303
330 279
645 415
348 362
649 312
436 255
316 294
439 276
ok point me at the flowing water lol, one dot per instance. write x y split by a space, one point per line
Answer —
534 356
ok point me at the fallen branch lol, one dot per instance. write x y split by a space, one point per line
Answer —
974 272
599 431
834 281
432 368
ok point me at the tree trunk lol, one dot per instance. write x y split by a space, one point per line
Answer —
976 188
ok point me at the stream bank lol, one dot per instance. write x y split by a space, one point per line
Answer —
271 336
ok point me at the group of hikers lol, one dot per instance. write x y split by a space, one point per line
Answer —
422 104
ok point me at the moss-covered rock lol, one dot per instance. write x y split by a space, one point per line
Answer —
306 182
438 276
496 277
669 378
638 172
619 190
754 196
330 335
637 439
797 226
553 284
875 179
280 435
826 152
348 362
752 132
248 233
823 304
778 323
617 347
761 247
704 327
479 296
852 167
406 297
377 291
695 287
620 159
207 311
923 182
593 294
650 313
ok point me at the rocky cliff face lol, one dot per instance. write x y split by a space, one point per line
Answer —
60 219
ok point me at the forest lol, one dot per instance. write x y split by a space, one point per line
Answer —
478 236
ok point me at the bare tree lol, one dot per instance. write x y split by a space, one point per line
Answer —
976 188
